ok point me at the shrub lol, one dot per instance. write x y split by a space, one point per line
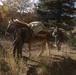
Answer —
72 39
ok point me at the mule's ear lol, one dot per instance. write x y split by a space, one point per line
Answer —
9 20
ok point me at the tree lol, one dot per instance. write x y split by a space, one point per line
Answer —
20 9
18 6
56 12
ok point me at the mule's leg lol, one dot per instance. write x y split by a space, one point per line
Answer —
14 50
58 44
19 50
29 45
43 44
48 44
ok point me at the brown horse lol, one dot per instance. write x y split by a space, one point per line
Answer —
27 36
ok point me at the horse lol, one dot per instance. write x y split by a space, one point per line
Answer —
27 36
60 36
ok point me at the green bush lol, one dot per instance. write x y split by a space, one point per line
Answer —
72 39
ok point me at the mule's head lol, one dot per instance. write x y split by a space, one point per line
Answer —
55 31
11 27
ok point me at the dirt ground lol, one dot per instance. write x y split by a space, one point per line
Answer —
35 59
36 49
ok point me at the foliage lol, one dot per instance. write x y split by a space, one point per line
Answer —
57 65
29 17
72 39
59 11
20 9
74 21
19 5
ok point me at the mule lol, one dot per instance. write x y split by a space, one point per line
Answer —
27 36
60 36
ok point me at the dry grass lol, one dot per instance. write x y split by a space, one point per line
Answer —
57 63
